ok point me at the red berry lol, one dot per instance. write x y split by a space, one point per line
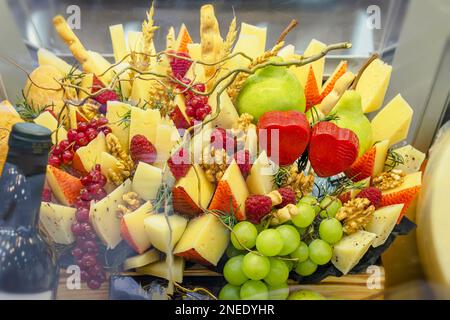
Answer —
54 161
57 150
90 246
82 126
64 144
88 260
371 193
77 229
180 66
67 157
95 270
86 195
106 130
84 275
242 158
80 203
82 215
220 139
102 122
77 252
94 284
200 114
200 87
256 207
287 196
179 163
142 150
190 111
47 195
86 180
72 135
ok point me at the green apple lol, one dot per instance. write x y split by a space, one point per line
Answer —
351 116
271 89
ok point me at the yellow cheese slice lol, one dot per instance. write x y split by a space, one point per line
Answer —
382 149
124 79
236 182
46 119
412 159
57 221
101 67
393 121
205 237
383 222
108 163
261 178
115 114
160 235
144 122
190 183
142 260
167 137
135 233
410 180
134 40
118 42
228 116
161 269
251 141
147 180
46 57
89 155
104 218
314 47
373 84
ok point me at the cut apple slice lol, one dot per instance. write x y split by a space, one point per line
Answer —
65 187
46 119
231 193
85 158
147 181
116 114
142 260
185 194
261 178
161 269
159 233
132 228
383 222
57 221
405 193
204 241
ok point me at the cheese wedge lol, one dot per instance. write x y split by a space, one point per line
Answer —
104 218
160 235
167 137
144 122
228 116
118 42
204 241
412 159
373 84
115 114
147 181
57 221
350 249
161 269
141 260
101 67
393 121
132 228
108 163
46 57
261 178
314 47
86 85
383 222
46 119
85 158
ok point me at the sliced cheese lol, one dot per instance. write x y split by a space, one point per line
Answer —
204 241
410 180
163 269
108 164
373 84
164 232
350 249
104 218
147 181
141 260
144 122
412 159
261 178
383 222
132 227
57 221
167 137
134 40
382 149
46 119
236 182
101 67
194 181
86 86
315 47
251 141
118 42
116 113
393 121
228 115
46 57
87 157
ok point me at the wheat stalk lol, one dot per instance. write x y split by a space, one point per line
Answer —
230 38
148 32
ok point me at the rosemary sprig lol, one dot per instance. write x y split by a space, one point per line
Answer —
125 119
27 112
281 176
393 159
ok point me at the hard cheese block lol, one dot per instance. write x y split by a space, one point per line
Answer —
104 218
46 57
163 269
142 260
204 241
118 42
228 115
373 84
46 119
393 121
261 178
88 156
57 221
144 122
132 228
350 249
167 136
383 222
164 231
412 159
117 111
147 180
314 47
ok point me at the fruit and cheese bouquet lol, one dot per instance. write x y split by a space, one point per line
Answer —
225 151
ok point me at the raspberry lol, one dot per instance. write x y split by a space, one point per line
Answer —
220 139
179 164
256 207
242 158
287 196
103 97
142 150
180 66
371 193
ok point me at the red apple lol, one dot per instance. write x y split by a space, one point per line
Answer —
293 135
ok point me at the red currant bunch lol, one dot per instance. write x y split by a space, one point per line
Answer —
197 106
86 249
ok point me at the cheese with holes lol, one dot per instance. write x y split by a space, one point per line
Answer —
160 235
46 119
165 270
116 113
261 178
350 249
393 121
147 181
144 122
104 218
314 47
132 228
204 241
57 221
383 222
118 42
46 57
373 84
141 260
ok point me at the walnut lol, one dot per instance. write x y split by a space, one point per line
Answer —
214 163
355 214
389 180
121 211
299 182
284 214
124 163
132 202
244 121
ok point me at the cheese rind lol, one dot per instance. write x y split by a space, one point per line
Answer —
57 221
161 269
204 241
393 121
147 181
103 216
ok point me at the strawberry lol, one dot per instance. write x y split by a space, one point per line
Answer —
104 97
180 66
256 207
179 163
332 149
242 158
142 150
373 194
292 130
